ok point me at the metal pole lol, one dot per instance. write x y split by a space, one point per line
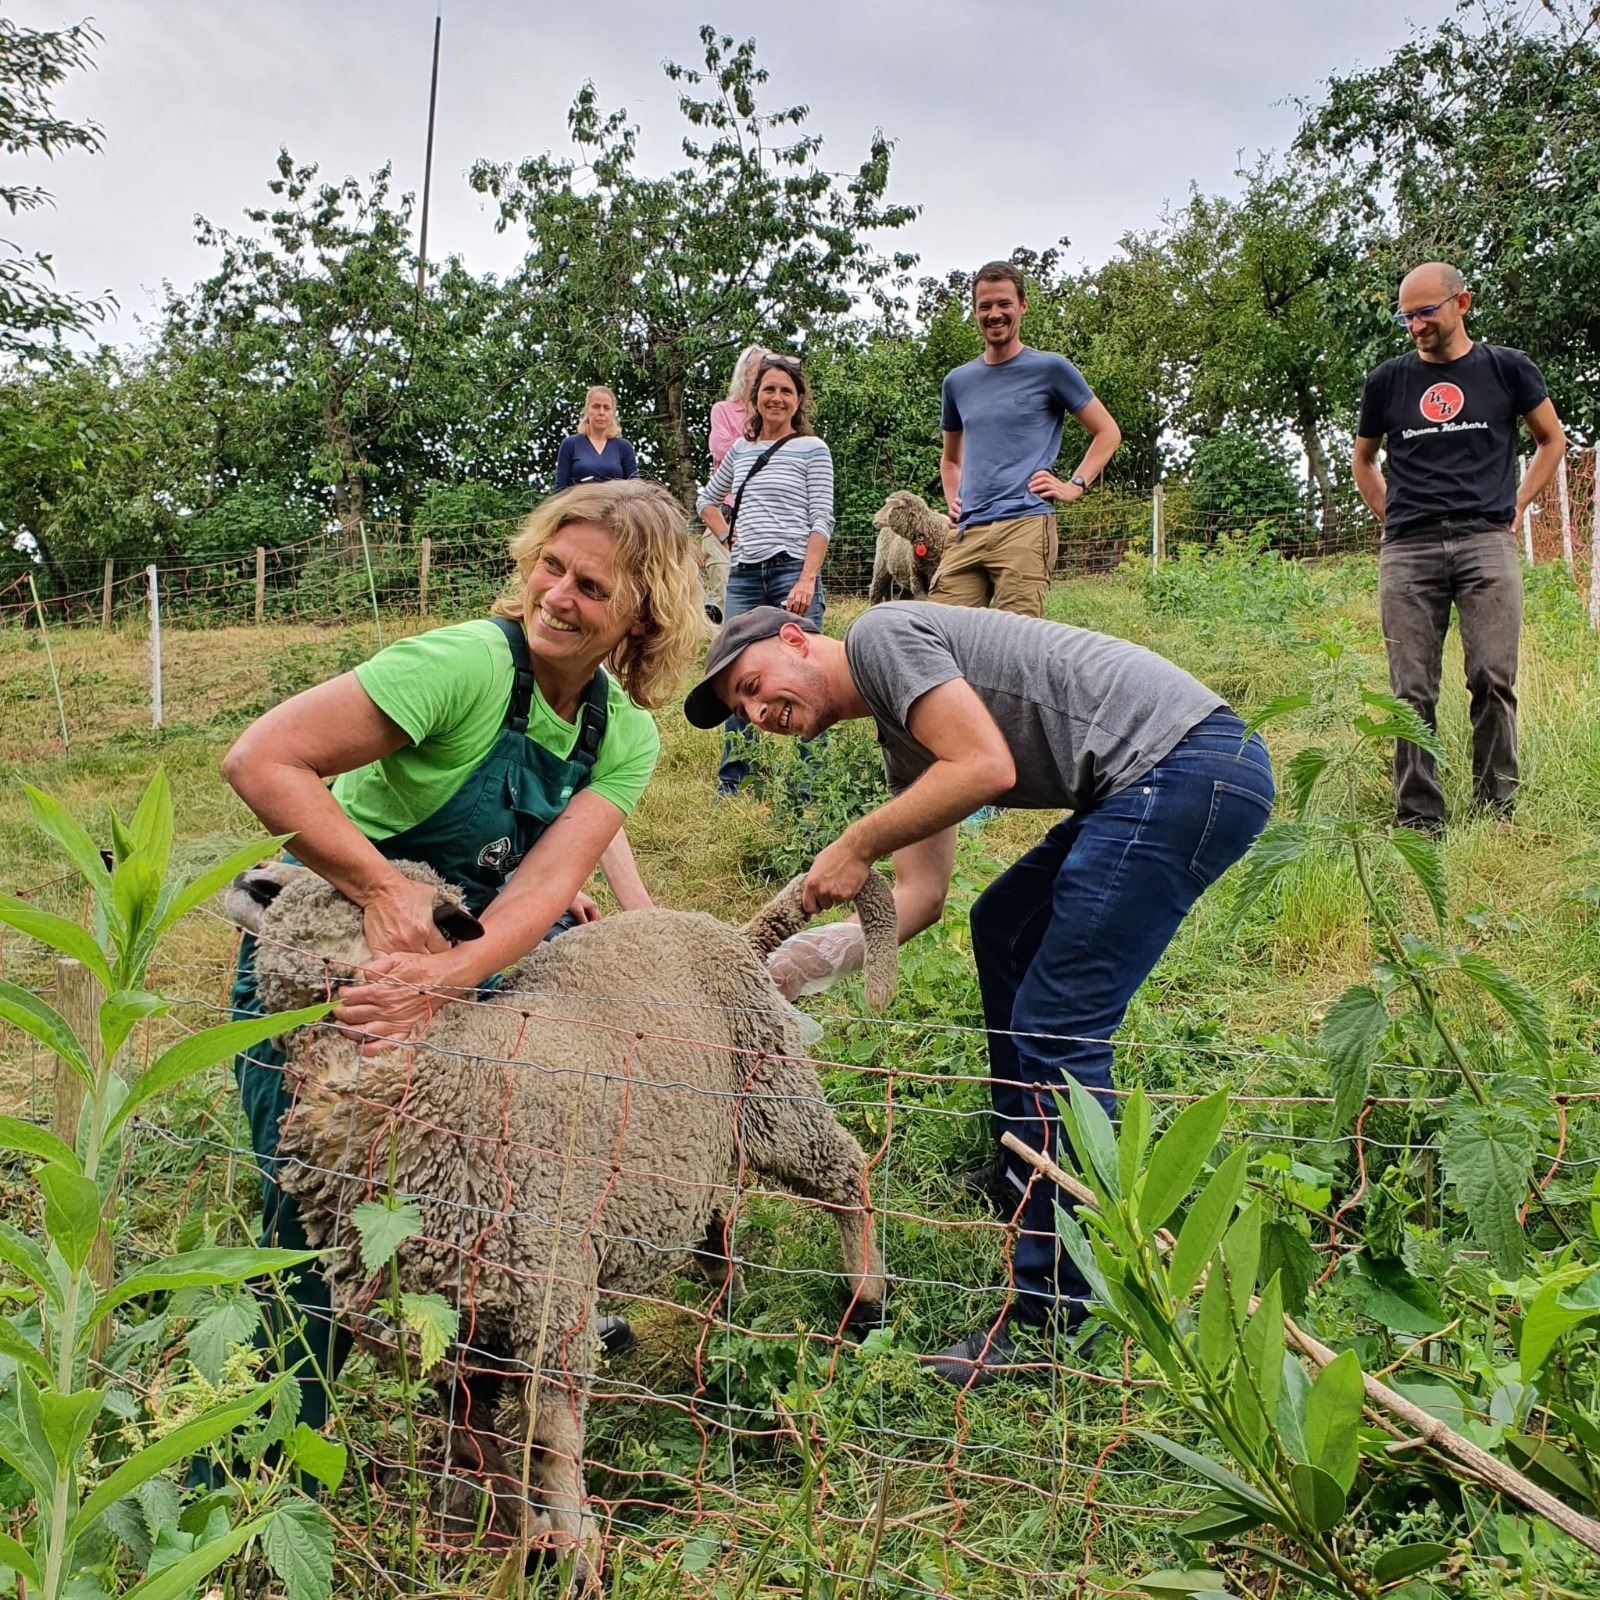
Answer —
155 646
427 163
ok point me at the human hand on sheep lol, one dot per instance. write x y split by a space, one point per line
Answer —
835 876
401 995
816 958
584 909
400 918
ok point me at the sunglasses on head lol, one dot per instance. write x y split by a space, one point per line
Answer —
783 363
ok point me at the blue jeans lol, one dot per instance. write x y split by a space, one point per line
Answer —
752 584
1064 937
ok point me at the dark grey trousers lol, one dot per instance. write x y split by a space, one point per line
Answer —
1477 566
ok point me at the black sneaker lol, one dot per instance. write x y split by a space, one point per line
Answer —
614 1334
982 1357
994 1185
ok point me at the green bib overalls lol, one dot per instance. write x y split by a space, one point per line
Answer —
474 840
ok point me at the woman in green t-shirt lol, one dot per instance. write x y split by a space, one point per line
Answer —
501 753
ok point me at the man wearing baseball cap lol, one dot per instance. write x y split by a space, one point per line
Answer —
987 707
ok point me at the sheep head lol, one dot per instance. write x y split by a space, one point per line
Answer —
784 915
311 937
910 517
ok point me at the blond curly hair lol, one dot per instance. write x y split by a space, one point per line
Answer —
658 577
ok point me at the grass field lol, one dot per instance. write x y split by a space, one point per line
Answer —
759 1453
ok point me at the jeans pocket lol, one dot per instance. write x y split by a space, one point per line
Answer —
1237 815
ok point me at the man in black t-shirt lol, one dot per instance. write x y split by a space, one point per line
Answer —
1447 416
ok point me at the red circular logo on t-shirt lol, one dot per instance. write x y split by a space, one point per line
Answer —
1442 401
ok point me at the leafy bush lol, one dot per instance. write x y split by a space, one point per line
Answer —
1240 479
1238 580
247 517
816 789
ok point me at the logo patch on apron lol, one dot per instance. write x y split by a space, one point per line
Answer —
496 855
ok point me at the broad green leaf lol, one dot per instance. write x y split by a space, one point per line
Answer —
383 1228
1263 1349
1543 1459
16 1557
120 1012
1216 1330
215 1335
135 889
1406 1561
1547 1319
1351 1033
53 819
1082 1257
1199 1581
1333 1415
19 1453
206 1048
218 877
67 1419
1519 1002
1179 1155
1387 1292
1207 1220
1293 1392
1400 721
698 1553
15 1134
47 1025
21 1349
299 1547
71 1210
1421 854
1280 705
57 932
1488 1156
1091 1133
1319 1497
435 1322
1286 1251
151 828
17 1250
1133 1140
211 1427
187 1571
197 1269
323 1459
1303 774
1217 1521
1584 1296
1280 845
1241 1251
1225 1478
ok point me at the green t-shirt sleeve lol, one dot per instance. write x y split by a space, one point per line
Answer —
627 754
434 683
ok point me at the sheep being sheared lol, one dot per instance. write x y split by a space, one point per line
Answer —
911 544
582 1129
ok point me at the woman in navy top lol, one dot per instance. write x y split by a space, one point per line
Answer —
597 451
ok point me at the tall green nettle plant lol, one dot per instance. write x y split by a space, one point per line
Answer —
51 1410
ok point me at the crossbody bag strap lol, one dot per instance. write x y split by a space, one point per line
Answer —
760 461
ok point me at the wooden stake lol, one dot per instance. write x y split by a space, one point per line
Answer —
1467 1456
422 575
1158 528
78 997
105 596
1527 522
261 583
1566 514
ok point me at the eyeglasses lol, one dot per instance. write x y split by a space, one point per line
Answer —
1404 319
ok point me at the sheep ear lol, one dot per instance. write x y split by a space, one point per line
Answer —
255 889
455 922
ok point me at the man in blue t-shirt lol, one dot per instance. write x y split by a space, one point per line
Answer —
1002 433
1447 413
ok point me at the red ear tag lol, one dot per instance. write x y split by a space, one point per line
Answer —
920 548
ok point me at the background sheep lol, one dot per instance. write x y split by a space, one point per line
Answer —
906 525
558 1145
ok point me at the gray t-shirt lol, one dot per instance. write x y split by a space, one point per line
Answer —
1084 714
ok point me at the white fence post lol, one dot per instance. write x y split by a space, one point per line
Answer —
1527 521
155 647
1566 513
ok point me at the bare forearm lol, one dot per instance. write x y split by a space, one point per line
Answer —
1101 449
950 480
1370 483
1546 459
816 554
622 875
940 798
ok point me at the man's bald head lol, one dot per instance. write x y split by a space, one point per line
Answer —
1437 280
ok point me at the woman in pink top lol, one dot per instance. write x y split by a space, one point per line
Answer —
727 424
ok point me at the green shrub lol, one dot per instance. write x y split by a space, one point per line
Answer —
816 790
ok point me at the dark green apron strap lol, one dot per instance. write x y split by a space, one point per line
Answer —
592 722
522 674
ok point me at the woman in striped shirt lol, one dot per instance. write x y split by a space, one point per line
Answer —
785 515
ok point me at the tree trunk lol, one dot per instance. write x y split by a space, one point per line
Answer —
349 490
681 475
1311 443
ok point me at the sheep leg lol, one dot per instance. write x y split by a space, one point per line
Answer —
468 1399
713 1258
791 1137
558 1438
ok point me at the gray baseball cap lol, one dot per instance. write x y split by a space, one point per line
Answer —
702 705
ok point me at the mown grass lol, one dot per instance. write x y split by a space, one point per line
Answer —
705 1438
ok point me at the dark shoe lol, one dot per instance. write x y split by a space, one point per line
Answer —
725 791
614 1334
1431 827
993 1184
982 1357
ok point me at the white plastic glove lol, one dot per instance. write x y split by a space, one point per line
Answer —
817 958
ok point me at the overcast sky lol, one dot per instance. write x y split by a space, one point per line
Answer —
1016 121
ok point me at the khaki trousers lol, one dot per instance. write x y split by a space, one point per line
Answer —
714 560
1005 564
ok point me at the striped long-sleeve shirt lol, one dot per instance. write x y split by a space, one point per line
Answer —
791 498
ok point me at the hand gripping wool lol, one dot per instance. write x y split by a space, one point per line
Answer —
587 1128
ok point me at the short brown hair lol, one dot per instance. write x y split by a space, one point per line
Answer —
1000 272
772 361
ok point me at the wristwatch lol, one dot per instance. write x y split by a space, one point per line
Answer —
1077 480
